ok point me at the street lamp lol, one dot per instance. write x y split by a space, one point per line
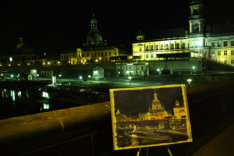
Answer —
189 81
129 78
89 77
193 69
80 77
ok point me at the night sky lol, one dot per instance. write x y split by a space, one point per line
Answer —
135 101
64 24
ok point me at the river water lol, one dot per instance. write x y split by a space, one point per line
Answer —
20 99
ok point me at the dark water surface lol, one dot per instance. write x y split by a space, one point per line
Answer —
19 99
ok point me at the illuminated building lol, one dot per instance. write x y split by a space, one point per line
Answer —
95 50
179 112
199 41
132 69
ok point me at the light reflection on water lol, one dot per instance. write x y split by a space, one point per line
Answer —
17 102
35 99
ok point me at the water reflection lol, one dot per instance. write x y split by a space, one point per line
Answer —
21 101
18 101
19 94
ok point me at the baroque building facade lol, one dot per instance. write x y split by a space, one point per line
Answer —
95 50
201 41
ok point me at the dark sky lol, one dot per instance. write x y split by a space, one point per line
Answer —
135 101
64 24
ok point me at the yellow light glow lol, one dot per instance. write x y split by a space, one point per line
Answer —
43 63
48 63
28 64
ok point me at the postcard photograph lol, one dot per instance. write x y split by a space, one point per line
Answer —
150 116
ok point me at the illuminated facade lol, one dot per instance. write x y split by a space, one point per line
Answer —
94 51
132 69
214 42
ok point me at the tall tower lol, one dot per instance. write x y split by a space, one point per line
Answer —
196 19
94 37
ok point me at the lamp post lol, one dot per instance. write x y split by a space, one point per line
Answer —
129 78
60 75
193 69
80 78
189 82
89 77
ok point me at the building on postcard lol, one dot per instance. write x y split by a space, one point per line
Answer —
200 41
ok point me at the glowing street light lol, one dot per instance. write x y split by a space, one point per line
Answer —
189 81
129 78
80 77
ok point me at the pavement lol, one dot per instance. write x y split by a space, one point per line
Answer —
221 145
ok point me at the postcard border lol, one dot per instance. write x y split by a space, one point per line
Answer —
114 133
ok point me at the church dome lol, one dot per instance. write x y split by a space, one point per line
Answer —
94 37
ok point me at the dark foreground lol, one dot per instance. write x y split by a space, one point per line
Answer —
86 130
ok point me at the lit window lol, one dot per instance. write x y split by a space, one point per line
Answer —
225 53
213 53
183 46
225 43
232 43
161 47
156 47
172 46
152 55
213 44
147 55
146 48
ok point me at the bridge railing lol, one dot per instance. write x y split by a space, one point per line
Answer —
86 130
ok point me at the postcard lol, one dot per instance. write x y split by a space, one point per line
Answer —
150 116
